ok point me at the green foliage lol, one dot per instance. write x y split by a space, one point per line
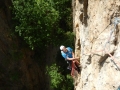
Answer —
42 22
14 76
70 38
59 81
36 21
15 55
56 78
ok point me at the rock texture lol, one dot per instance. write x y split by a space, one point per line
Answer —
97 43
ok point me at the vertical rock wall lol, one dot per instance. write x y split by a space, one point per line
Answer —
97 43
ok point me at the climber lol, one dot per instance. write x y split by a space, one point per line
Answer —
69 56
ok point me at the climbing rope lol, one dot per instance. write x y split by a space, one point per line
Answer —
115 22
115 64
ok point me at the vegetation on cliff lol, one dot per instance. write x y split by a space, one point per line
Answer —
41 23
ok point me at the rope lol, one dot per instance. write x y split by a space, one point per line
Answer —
115 64
115 22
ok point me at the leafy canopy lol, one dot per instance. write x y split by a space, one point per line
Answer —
42 22
59 81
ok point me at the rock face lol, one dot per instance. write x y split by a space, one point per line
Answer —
97 43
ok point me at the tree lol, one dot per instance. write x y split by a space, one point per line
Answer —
42 22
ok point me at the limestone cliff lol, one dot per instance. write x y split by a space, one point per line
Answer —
97 28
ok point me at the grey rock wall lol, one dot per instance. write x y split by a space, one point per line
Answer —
97 43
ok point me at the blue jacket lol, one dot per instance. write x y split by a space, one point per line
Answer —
68 53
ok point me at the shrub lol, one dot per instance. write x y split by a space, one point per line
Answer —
42 22
59 81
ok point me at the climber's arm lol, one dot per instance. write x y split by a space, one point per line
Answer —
72 58
73 54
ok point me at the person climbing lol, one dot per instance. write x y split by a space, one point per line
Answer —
68 54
